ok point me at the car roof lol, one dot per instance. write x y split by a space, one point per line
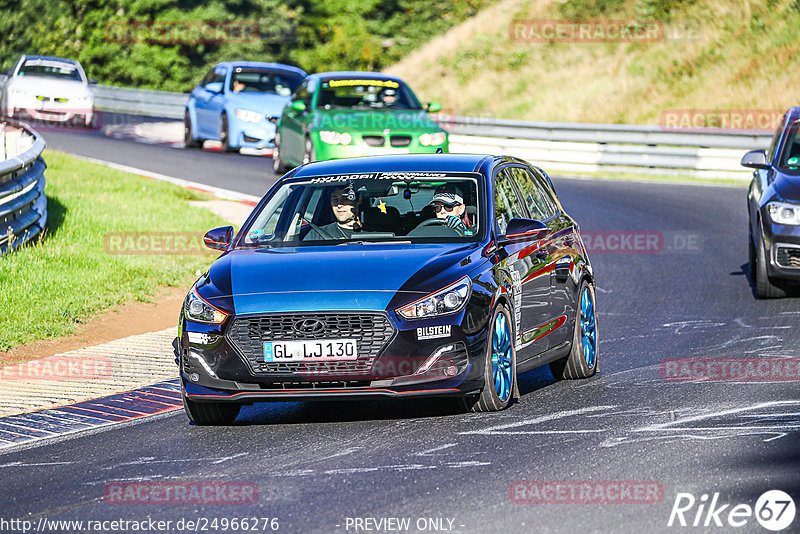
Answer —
335 75
52 58
263 65
396 163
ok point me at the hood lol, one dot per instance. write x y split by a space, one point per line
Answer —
787 187
267 103
346 277
374 120
42 85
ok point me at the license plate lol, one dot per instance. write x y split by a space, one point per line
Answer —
312 350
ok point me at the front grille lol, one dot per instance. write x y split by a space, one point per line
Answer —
372 331
788 257
400 140
374 140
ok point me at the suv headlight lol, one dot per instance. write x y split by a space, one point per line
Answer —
432 139
335 138
249 116
783 213
449 300
198 310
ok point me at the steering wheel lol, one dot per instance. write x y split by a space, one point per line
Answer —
432 222
320 231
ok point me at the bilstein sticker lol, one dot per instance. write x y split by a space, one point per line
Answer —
433 332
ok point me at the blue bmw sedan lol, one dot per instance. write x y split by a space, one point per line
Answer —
233 104
773 205
412 275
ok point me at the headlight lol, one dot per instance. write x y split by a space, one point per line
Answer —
451 299
83 99
335 138
432 139
249 116
21 92
200 311
783 213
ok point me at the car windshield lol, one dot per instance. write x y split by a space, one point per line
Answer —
417 207
366 94
50 69
255 80
789 160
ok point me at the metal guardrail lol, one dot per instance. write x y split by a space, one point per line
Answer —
23 205
143 102
558 147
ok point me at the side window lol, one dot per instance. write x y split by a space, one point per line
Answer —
304 93
534 196
506 203
209 77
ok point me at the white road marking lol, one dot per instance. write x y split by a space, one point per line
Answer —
441 448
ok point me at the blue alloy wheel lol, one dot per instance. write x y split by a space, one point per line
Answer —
588 330
502 357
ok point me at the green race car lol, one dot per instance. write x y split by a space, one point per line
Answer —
349 114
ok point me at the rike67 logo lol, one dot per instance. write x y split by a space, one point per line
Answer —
774 510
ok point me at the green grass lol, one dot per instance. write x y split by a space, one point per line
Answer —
66 276
714 55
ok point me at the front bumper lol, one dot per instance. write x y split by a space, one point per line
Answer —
252 135
214 367
358 148
782 247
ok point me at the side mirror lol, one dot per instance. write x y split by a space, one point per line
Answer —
219 238
755 159
298 105
93 81
214 87
434 107
521 228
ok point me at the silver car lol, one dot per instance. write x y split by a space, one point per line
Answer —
46 89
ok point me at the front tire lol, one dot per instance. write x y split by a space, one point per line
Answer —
765 287
582 359
500 371
278 166
188 132
309 154
210 413
225 135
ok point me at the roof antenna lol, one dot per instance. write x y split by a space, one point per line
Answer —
439 150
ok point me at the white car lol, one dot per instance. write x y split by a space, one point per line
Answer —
48 89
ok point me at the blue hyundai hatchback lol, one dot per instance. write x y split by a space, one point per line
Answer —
235 101
413 275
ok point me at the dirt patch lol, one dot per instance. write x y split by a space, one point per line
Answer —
115 323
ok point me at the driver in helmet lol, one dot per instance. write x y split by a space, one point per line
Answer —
448 204
345 203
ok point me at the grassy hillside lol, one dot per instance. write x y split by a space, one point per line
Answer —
714 55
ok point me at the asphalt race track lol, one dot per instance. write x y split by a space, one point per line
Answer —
317 464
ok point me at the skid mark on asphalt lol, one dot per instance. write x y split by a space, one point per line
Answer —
105 411
769 420
506 428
